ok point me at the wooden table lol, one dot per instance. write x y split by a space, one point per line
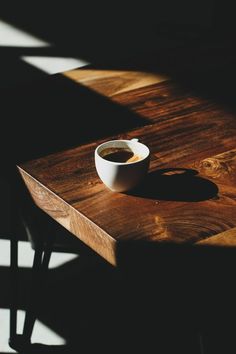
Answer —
189 194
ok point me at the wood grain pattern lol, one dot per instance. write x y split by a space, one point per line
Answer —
67 216
189 195
221 167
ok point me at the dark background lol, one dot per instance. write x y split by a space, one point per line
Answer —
105 30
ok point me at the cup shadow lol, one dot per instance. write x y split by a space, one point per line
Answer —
176 184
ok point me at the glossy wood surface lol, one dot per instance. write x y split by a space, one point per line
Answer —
189 195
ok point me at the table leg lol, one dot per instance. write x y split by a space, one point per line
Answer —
13 289
40 266
30 315
14 272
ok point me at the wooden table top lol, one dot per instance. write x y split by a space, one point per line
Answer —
189 194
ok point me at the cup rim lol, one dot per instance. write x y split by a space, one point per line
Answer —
135 141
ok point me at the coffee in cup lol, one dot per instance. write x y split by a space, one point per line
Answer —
124 155
122 164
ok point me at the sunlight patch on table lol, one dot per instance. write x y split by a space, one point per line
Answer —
113 82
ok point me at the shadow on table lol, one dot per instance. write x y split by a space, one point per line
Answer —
56 114
176 184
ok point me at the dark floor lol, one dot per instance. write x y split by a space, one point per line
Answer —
90 306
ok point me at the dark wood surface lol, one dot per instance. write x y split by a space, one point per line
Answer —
189 194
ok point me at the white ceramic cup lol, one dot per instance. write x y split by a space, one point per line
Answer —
122 176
